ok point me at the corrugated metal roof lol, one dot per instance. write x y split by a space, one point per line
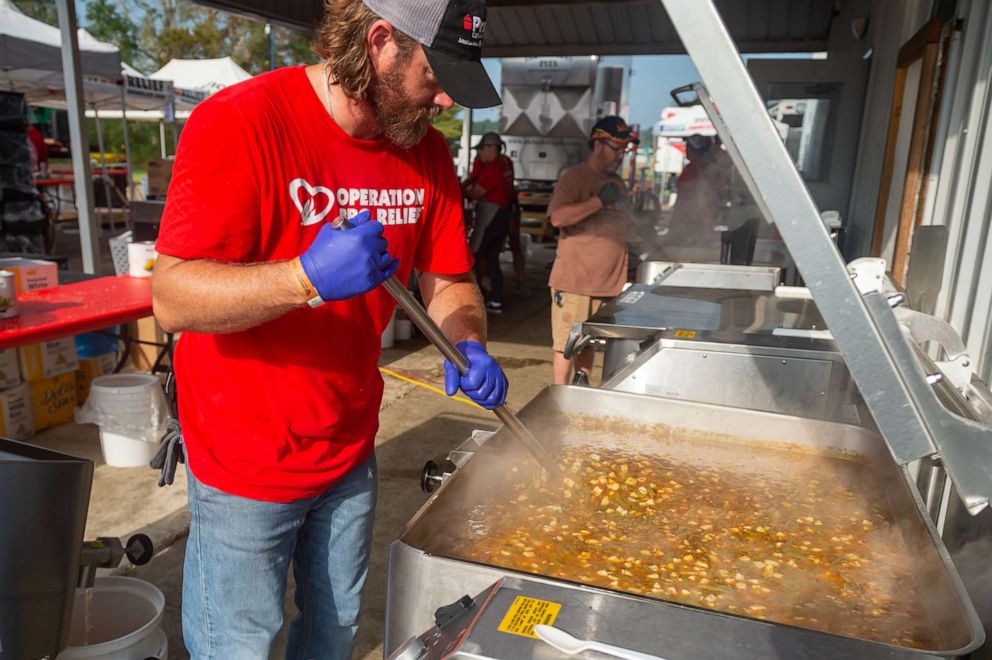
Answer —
642 27
519 28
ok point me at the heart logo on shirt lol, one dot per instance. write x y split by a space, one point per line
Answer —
313 202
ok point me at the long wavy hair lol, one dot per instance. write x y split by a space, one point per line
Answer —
341 40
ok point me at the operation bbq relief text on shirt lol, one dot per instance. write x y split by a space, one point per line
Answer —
389 206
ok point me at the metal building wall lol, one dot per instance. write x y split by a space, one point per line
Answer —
961 184
891 24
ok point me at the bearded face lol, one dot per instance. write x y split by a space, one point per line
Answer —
402 122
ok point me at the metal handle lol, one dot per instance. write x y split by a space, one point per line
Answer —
418 315
577 341
426 324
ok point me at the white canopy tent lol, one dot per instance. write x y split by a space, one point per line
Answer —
191 82
131 93
184 94
31 63
209 75
30 53
34 54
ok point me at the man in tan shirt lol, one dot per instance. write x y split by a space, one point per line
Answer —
595 229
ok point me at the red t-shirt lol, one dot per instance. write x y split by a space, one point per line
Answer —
38 142
492 178
505 161
279 412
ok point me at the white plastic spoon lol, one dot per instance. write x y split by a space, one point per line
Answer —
569 644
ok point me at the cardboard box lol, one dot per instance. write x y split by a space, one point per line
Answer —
159 175
10 373
48 359
143 356
90 368
16 420
53 400
31 274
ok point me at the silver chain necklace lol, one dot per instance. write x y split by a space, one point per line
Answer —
327 87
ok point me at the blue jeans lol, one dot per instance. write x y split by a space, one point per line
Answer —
237 561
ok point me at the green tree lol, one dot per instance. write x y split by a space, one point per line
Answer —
144 139
106 23
43 10
485 126
180 28
450 127
449 124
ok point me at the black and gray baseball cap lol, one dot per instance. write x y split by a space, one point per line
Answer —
450 32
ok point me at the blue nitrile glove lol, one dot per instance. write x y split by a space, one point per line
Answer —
485 383
346 263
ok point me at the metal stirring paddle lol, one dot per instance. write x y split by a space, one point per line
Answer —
422 320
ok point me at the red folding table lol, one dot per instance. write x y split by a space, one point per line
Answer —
87 306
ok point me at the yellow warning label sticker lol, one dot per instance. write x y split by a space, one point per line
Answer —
685 334
525 613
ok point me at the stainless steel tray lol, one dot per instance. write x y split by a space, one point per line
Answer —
643 310
419 582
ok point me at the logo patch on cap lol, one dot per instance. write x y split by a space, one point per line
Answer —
475 25
451 33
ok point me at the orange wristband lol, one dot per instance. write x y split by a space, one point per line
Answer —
306 286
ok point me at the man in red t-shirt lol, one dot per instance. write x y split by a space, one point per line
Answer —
487 185
281 313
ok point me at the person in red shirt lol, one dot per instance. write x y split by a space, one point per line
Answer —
487 185
37 140
281 311
514 214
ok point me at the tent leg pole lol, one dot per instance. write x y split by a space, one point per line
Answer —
88 233
465 147
104 177
161 138
127 144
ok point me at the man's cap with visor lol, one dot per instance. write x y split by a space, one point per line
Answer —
450 32
490 139
614 129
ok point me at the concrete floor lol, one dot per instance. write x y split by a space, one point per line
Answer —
416 425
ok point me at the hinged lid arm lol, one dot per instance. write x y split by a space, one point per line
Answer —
911 419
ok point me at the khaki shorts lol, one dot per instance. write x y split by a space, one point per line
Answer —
573 308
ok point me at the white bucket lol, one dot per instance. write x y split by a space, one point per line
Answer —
404 328
117 619
130 408
389 334
120 450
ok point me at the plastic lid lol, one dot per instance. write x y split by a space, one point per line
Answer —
125 382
